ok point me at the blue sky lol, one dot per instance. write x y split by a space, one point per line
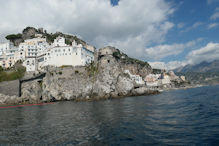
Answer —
192 19
172 32
189 13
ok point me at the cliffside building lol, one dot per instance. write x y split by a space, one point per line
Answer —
36 53
59 54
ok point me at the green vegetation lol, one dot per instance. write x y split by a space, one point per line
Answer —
156 71
13 37
92 69
76 72
51 37
12 75
64 66
60 73
1 69
128 60
68 42
27 29
77 40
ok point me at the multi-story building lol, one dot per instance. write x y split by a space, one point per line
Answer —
32 47
59 42
37 53
60 54
75 55
30 64
6 47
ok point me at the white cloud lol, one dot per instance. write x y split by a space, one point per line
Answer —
162 51
197 24
158 65
180 25
215 16
167 66
130 25
194 26
212 25
175 64
208 53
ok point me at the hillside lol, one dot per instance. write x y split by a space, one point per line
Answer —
202 67
31 32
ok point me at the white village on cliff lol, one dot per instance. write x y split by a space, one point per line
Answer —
36 53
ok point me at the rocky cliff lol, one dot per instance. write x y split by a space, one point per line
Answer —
100 80
103 79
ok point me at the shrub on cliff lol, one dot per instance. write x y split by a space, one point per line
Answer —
14 75
13 37
1 69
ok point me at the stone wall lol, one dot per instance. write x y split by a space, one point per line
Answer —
10 88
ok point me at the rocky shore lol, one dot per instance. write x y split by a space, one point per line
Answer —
105 78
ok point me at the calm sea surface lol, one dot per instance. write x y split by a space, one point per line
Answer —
179 117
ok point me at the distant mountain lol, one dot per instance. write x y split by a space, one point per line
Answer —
201 67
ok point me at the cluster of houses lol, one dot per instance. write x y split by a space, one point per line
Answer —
36 53
156 80
162 79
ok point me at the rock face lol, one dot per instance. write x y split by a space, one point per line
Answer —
31 92
103 79
6 99
100 80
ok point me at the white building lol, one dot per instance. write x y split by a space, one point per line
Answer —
30 64
59 42
32 47
153 80
75 55
37 53
138 79
165 79
7 61
6 47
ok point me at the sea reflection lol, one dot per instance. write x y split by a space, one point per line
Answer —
178 117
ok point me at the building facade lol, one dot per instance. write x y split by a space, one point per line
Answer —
36 53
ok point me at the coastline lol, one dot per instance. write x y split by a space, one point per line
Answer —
17 100
112 75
